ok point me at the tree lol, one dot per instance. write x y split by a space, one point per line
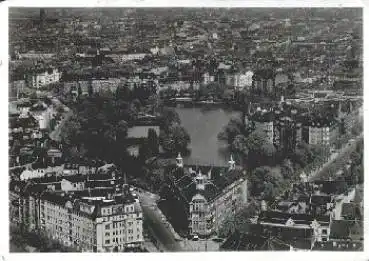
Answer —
268 149
260 150
175 139
302 155
33 96
256 140
97 128
341 140
269 192
290 90
123 93
237 222
342 186
240 145
121 130
357 128
287 169
264 182
60 109
169 117
153 141
255 147
79 90
231 130
355 158
90 88
71 131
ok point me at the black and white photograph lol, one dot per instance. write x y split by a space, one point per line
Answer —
186 129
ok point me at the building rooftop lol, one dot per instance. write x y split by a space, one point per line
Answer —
320 200
93 199
217 179
351 211
347 230
263 116
281 218
252 242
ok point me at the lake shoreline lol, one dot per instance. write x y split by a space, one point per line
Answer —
203 126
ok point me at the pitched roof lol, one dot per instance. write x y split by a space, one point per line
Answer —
282 217
263 74
345 229
260 116
321 199
350 211
184 180
75 178
249 241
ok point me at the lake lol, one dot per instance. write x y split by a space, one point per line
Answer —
203 126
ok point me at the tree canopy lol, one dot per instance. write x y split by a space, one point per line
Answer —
231 130
97 128
175 139
265 182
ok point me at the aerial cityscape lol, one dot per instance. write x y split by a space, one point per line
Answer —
185 129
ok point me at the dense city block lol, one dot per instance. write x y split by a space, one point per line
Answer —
189 129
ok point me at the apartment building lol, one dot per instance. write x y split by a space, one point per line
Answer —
282 126
127 57
263 122
319 226
37 80
322 131
243 80
100 220
210 197
263 81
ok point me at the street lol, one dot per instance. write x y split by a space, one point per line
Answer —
157 228
27 165
202 245
339 160
55 135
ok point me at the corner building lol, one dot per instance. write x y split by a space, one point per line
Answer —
210 197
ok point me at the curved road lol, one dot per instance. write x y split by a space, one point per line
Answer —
55 135
156 226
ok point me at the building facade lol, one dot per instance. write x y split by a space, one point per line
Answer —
44 78
104 223
263 121
323 132
211 197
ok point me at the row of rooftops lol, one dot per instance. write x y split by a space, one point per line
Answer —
76 178
215 180
93 198
93 203
276 217
291 113
343 236
297 229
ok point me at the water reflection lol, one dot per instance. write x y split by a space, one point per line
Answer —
203 125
